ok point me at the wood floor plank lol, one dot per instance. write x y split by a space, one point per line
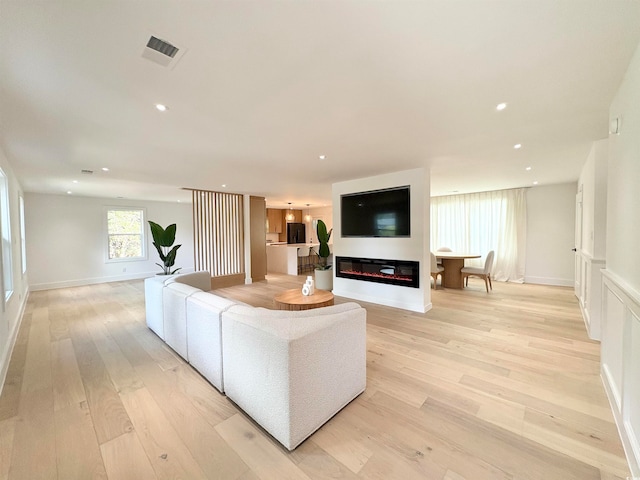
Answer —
194 426
349 446
388 422
520 457
34 438
7 428
122 374
589 446
125 459
34 434
109 416
77 451
159 351
267 460
318 464
169 456
67 383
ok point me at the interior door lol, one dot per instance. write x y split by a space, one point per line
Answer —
578 247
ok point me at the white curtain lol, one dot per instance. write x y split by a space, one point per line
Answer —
480 222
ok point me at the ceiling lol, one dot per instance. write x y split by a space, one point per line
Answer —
261 88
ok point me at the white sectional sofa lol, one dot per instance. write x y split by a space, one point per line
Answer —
290 371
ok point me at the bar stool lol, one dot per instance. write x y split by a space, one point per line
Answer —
303 259
313 257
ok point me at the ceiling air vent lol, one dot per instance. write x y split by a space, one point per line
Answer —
162 52
86 172
161 46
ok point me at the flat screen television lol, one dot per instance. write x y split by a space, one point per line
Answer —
377 213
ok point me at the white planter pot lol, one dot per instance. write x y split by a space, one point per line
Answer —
324 279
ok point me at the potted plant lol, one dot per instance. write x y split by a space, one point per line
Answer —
324 275
163 239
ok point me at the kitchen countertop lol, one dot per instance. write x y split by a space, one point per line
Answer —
284 244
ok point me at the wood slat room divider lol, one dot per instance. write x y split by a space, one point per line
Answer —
218 224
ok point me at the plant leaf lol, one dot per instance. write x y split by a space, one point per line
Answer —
171 256
169 235
157 232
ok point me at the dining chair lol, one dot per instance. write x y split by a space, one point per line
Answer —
436 270
442 249
484 273
303 259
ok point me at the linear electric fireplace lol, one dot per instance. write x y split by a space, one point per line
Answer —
394 272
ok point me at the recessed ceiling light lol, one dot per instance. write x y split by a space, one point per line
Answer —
528 169
69 192
224 185
75 181
501 106
322 157
105 169
160 107
535 183
517 146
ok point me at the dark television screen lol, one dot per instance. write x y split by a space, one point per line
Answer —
379 213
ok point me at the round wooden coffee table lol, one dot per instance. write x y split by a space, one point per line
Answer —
294 300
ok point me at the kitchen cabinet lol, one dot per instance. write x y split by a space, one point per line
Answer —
275 220
297 215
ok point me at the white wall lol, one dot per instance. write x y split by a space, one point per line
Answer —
415 248
66 240
550 234
11 314
620 356
323 213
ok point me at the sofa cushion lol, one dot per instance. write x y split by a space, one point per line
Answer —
201 280
174 297
292 371
154 313
204 335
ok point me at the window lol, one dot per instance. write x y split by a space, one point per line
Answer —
5 224
125 234
23 241
480 222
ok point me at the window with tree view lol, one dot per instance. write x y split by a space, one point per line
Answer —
125 230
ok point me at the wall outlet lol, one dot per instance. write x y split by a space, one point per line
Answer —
124 269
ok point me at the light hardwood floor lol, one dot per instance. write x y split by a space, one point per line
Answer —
484 386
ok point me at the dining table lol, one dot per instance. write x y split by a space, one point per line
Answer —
453 263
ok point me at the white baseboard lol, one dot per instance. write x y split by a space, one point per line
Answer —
11 341
558 282
92 281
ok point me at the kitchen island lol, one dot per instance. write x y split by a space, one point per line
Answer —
283 258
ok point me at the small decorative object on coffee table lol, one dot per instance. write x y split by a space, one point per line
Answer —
294 300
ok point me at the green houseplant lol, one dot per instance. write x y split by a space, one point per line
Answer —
323 249
324 274
163 240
